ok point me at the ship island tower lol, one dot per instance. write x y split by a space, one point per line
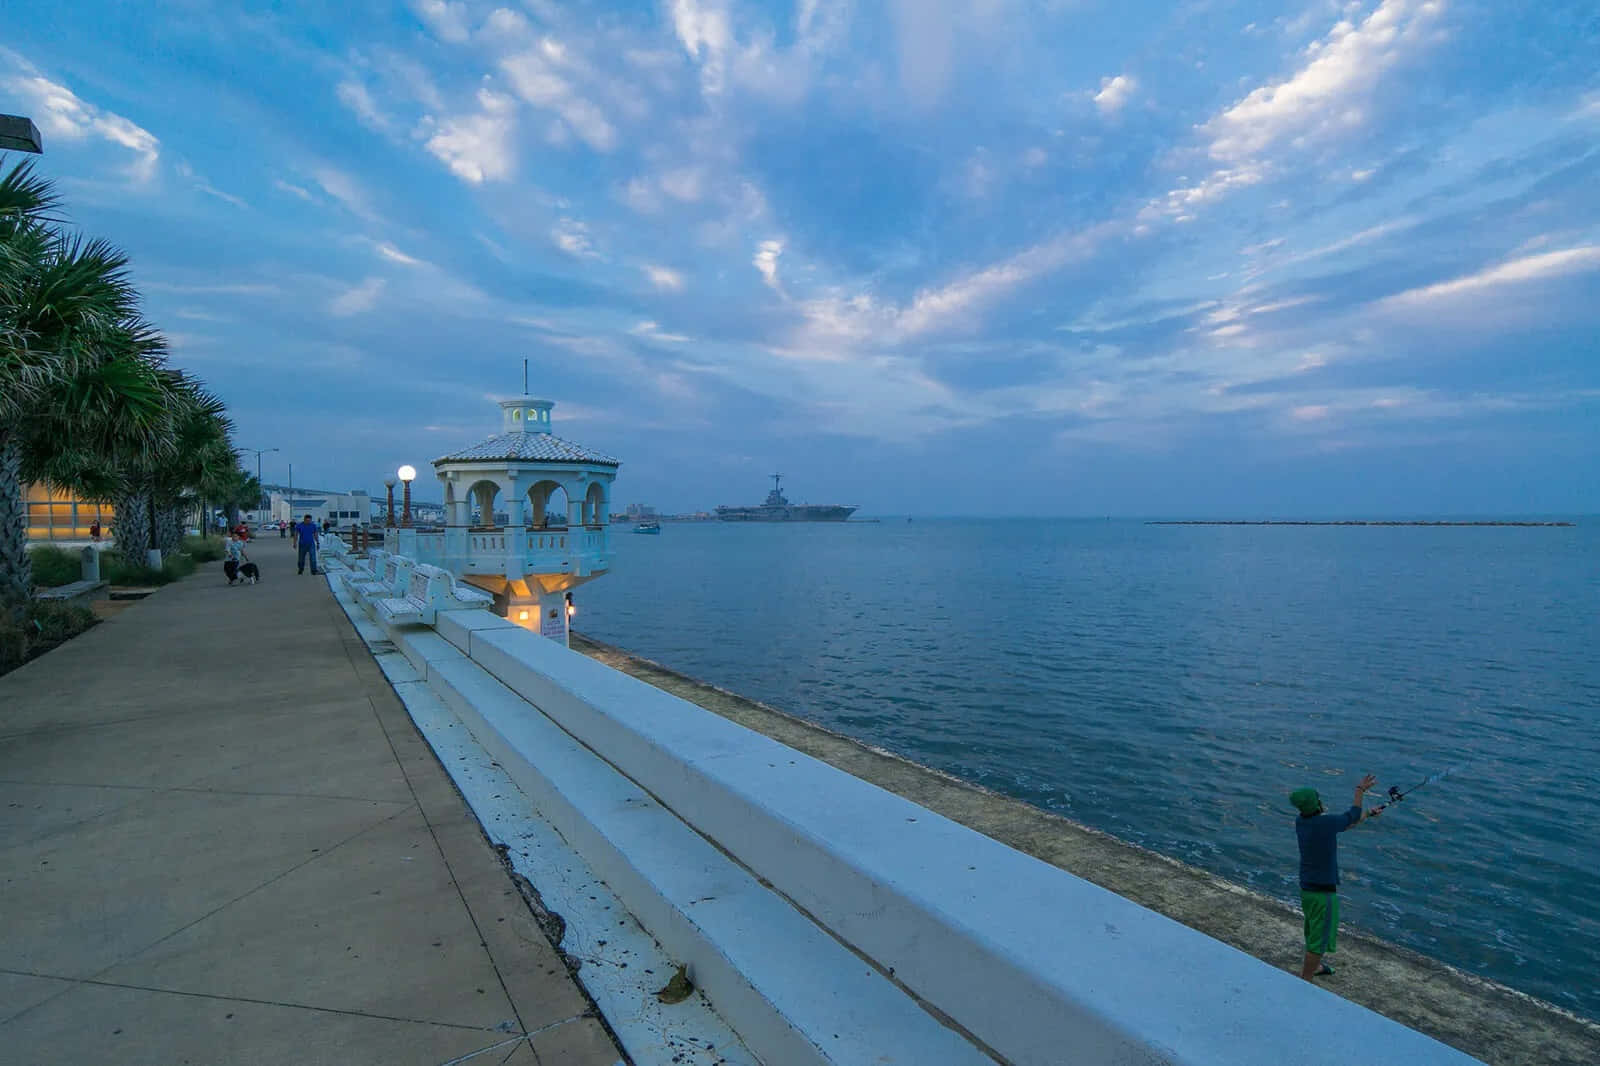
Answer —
527 517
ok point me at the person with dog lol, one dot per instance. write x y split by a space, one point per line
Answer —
1318 834
306 534
232 556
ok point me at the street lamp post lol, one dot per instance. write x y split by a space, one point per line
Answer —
259 452
388 484
408 474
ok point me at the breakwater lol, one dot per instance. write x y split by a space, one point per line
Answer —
1350 522
1488 1020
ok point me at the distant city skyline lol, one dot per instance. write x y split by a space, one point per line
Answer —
927 257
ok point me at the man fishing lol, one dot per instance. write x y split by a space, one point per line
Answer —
1318 832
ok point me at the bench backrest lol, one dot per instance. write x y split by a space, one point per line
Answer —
430 584
397 572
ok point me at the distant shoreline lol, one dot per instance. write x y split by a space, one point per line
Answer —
1345 522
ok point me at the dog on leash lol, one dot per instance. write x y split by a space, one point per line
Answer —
249 573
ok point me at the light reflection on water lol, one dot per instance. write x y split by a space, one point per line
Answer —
1172 685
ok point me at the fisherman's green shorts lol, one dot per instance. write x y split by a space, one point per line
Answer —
1322 921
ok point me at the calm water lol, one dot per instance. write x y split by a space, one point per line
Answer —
1172 685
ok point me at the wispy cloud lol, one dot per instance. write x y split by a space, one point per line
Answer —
663 277
358 299
1335 91
60 112
537 78
1514 272
479 147
572 237
1114 93
766 261
650 331
447 20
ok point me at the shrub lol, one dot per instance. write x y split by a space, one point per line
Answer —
202 550
54 566
31 629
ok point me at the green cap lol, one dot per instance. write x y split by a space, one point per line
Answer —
1306 799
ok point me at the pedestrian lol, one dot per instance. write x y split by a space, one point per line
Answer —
232 556
94 532
306 536
1318 834
283 528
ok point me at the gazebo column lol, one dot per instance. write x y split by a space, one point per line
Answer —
457 515
516 533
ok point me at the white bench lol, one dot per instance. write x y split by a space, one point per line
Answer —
364 571
429 591
392 579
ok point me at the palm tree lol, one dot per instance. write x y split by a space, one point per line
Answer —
80 372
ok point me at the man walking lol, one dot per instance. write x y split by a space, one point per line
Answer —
1318 833
306 536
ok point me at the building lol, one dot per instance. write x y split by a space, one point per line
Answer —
56 515
342 508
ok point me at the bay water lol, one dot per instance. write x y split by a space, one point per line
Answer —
1172 684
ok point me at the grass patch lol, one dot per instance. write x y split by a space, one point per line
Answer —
54 566
31 629
203 550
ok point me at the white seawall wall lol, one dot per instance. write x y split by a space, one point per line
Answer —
1039 966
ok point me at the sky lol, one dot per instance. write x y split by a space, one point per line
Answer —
976 257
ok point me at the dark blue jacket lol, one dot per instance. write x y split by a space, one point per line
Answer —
307 534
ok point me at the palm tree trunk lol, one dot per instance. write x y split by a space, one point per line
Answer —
16 567
133 529
169 529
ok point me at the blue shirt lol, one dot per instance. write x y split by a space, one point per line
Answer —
1319 846
307 532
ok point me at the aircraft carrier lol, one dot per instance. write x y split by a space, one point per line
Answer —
777 508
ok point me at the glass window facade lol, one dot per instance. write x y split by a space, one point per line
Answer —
54 515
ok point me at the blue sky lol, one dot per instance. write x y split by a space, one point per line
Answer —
923 256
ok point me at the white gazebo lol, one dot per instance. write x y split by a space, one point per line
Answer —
527 517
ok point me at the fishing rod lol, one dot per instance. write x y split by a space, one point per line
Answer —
1396 794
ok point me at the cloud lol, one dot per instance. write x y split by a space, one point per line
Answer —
1333 92
395 255
650 331
357 299
345 189
664 278
60 112
572 237
704 31
766 261
293 190
535 77
478 148
448 21
1114 93
354 95
185 171
1513 272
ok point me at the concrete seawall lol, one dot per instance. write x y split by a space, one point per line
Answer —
1487 1020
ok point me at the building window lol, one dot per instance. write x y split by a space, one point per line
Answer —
516 416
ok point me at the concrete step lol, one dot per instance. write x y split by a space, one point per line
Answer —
792 992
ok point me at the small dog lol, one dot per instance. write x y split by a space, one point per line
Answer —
249 573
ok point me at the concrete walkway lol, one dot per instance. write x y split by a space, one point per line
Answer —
223 841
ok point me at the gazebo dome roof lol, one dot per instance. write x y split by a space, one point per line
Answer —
539 447
525 437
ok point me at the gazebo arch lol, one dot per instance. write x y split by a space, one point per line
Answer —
594 505
546 510
483 494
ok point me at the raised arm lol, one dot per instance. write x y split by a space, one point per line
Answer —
1360 799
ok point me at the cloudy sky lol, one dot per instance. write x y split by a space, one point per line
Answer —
1070 257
